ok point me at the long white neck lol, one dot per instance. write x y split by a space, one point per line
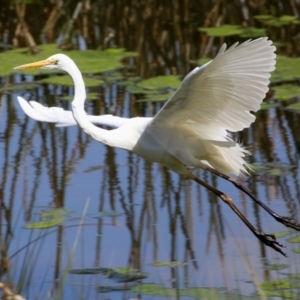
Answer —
79 113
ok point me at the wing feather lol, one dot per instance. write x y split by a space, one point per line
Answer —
221 94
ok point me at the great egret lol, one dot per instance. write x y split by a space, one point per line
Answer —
191 129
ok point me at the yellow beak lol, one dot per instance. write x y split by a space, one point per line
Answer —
36 65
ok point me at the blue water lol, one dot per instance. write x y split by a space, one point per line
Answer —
44 166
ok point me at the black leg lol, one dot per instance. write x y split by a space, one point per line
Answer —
284 220
267 239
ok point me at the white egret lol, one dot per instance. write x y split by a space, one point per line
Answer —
192 128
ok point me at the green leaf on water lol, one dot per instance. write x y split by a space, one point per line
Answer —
133 89
286 91
204 60
263 17
294 106
212 293
287 69
157 97
66 80
160 82
280 294
113 288
110 214
222 31
297 250
19 87
253 32
50 217
265 105
281 234
88 61
230 29
44 224
116 274
275 172
113 76
53 213
167 264
288 19
89 96
257 168
295 239
277 284
277 267
130 81
283 20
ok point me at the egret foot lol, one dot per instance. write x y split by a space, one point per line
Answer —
270 240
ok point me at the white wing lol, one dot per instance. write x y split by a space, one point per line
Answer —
63 117
220 95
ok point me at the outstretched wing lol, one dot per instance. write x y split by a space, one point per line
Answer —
64 118
220 95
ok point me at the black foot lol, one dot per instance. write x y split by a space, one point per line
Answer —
270 240
288 222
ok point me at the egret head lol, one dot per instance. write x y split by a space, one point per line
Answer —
57 61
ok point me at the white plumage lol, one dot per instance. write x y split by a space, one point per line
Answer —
192 127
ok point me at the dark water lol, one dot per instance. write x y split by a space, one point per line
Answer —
126 212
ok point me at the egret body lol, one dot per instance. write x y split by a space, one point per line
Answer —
193 128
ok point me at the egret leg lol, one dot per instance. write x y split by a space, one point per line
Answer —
284 220
267 239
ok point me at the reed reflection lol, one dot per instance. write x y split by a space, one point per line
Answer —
164 217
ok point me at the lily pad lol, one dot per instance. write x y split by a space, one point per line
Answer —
253 32
44 224
160 82
66 80
294 106
258 168
275 172
277 22
53 213
133 89
157 97
113 76
222 31
230 29
297 250
280 294
19 87
130 81
295 239
167 264
277 267
287 69
89 96
117 274
265 106
51 218
263 17
89 61
277 284
113 288
110 214
192 292
281 234
286 92
204 60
